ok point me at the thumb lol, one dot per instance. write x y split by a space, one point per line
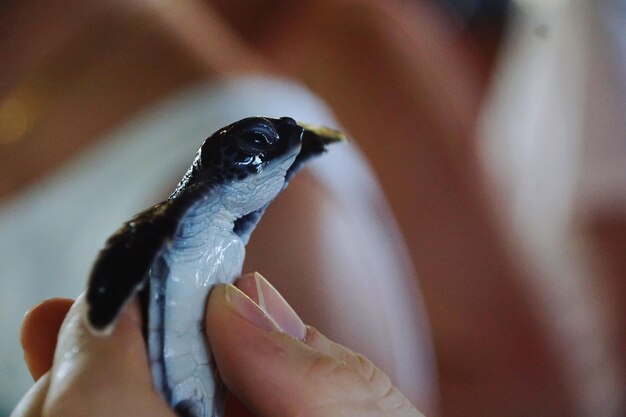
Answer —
279 367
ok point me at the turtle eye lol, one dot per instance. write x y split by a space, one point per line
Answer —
255 139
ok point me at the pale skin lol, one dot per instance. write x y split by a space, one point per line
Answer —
396 76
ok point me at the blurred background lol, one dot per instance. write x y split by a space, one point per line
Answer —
470 240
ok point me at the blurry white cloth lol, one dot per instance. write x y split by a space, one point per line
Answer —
51 233
554 143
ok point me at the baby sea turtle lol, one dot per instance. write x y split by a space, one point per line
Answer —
172 254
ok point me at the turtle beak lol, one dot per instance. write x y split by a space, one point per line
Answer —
314 142
316 138
321 135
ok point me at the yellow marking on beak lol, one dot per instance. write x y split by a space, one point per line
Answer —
327 134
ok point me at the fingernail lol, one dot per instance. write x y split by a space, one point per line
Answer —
272 303
248 309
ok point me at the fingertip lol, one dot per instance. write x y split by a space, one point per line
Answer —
273 304
116 363
39 334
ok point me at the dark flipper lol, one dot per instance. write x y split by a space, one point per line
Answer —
122 266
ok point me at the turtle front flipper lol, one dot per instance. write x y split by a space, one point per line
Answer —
122 266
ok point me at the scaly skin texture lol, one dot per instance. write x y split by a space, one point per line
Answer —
174 253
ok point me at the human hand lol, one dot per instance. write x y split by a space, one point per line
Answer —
267 357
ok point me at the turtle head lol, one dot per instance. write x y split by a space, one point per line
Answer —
249 148
252 159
